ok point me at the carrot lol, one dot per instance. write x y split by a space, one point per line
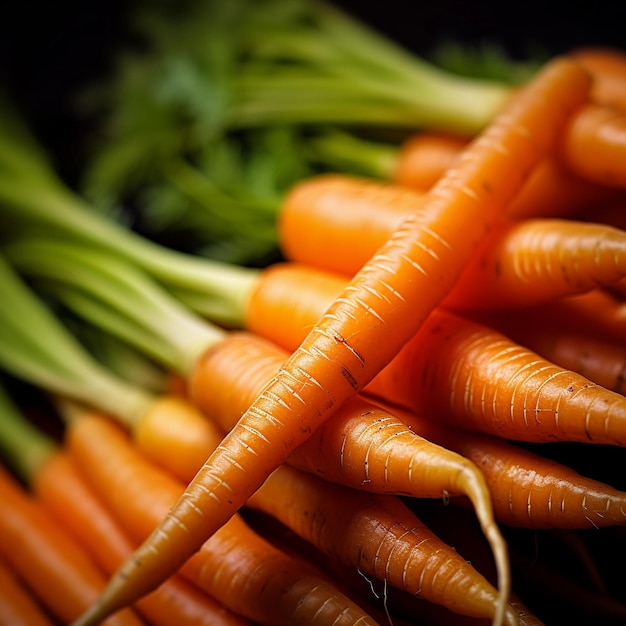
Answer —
291 297
534 261
607 66
96 274
424 157
18 606
246 573
362 423
593 145
520 264
553 190
368 532
482 380
600 360
47 558
65 493
161 441
528 490
55 482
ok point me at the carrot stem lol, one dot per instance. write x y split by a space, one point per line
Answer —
51 357
36 199
120 297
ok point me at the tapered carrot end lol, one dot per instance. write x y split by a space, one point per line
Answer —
95 615
109 602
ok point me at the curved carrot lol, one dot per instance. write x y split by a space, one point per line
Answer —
380 309
593 145
482 380
45 556
18 606
236 565
528 490
391 459
378 535
607 66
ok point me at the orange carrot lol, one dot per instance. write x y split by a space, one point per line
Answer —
346 216
593 145
482 380
424 157
379 310
288 300
18 606
553 190
535 261
47 558
369 532
236 566
600 360
366 449
361 446
520 264
607 66
528 490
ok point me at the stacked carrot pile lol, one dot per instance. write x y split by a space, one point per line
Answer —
373 430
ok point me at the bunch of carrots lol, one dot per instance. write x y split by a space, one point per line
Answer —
372 430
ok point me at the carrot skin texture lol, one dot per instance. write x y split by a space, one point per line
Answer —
58 571
232 565
535 261
361 446
528 490
383 306
64 492
18 606
598 359
482 380
378 535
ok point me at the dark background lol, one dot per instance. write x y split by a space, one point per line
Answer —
49 49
